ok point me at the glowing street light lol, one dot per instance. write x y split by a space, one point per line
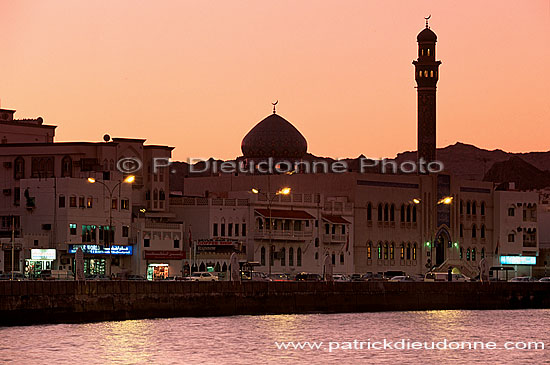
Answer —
446 200
128 180
281 191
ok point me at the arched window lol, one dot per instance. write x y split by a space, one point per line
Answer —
402 212
474 231
369 251
468 254
473 254
461 230
283 256
422 51
483 252
468 207
431 74
342 258
402 252
161 195
66 167
408 251
155 194
474 208
327 228
386 251
299 257
379 250
380 212
482 232
105 165
19 168
414 213
426 73
369 212
408 213
461 253
386 213
262 256
461 206
392 213
428 51
420 73
112 165
392 251
511 237
414 251
291 256
316 241
482 208
333 259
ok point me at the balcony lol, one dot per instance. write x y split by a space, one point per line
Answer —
279 234
162 225
335 238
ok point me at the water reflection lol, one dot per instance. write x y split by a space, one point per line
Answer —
251 339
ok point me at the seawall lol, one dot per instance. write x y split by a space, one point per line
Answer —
34 302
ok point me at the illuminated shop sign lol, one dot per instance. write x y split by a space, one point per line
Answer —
518 260
100 250
42 254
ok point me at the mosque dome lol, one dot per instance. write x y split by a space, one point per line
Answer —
274 137
426 35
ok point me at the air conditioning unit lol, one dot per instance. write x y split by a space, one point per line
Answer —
7 165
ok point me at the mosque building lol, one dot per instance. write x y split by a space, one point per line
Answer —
364 222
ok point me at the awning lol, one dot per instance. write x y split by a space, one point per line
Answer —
335 219
285 214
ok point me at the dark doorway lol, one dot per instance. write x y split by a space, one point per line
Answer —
440 244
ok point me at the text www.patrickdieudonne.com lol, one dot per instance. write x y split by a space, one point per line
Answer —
408 344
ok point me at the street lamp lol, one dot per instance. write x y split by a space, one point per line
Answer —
128 180
282 191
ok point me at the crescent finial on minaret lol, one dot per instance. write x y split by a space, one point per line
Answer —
274 104
428 18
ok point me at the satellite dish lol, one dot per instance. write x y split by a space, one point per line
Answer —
106 138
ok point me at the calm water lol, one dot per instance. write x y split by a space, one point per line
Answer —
251 339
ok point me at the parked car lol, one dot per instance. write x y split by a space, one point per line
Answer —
135 277
545 279
203 276
374 277
304 276
357 277
279 277
254 276
402 278
97 277
16 276
443 276
340 278
522 279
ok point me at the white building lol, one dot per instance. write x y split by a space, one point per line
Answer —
45 187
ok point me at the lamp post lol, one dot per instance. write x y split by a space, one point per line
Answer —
446 200
128 179
282 191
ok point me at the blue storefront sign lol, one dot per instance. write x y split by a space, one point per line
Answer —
518 260
102 250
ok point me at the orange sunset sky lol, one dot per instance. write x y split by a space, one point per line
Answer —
198 75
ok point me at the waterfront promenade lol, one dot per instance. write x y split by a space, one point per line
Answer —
28 302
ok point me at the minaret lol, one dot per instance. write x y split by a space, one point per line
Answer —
426 76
